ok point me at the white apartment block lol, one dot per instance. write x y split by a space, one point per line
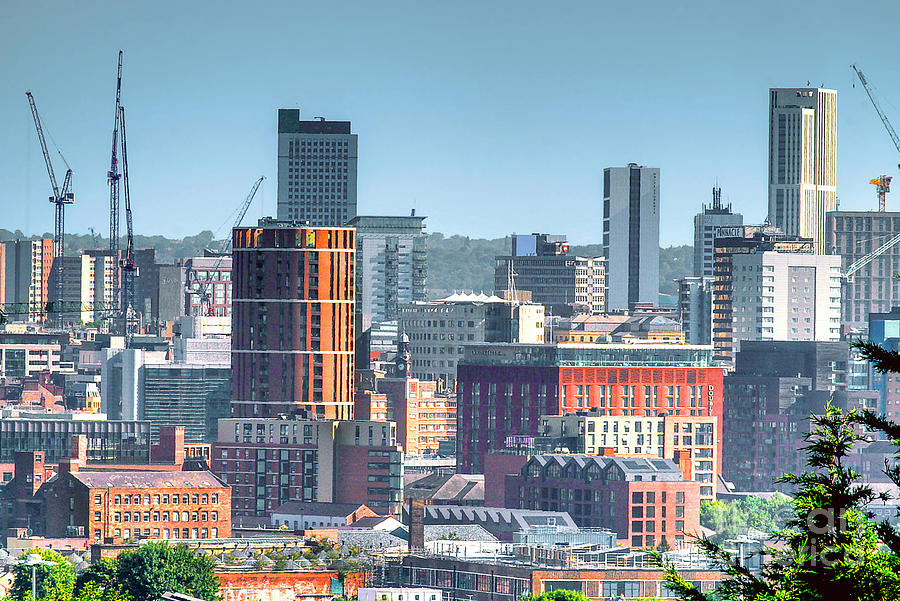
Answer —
786 296
391 265
631 235
802 161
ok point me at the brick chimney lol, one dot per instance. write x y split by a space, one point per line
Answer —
683 458
170 449
79 448
416 524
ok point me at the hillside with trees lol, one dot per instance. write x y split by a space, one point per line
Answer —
454 262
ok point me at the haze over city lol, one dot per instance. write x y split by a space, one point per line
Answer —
479 115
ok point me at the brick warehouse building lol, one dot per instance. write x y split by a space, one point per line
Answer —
292 320
120 505
644 501
504 389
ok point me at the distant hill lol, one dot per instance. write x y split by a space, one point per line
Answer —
167 249
463 263
454 262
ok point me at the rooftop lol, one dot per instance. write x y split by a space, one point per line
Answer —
329 509
144 479
590 355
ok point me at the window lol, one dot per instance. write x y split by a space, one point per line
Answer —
117 499
679 497
165 499
98 499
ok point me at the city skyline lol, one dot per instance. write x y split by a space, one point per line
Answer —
451 130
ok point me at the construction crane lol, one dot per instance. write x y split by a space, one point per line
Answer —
865 260
126 264
883 186
206 304
112 179
61 197
887 124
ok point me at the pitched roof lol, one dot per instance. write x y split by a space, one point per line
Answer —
142 479
453 487
330 509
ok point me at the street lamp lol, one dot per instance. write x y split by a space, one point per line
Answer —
34 560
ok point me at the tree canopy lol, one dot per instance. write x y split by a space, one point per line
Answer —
831 547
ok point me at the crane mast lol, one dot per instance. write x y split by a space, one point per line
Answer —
884 120
60 198
206 304
126 264
112 179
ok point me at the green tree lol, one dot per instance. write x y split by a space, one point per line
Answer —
147 572
560 595
731 519
101 574
831 549
54 582
94 592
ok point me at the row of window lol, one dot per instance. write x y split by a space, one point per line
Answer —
165 516
165 499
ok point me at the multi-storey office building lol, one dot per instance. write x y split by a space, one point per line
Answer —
730 242
437 331
212 275
713 217
25 277
505 389
695 296
667 436
873 288
28 354
768 400
645 501
293 320
802 161
193 395
391 265
316 170
269 461
108 441
172 286
541 264
786 296
631 235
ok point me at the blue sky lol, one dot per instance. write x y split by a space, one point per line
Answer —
489 117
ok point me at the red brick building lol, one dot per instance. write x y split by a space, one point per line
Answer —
423 418
270 461
116 506
645 501
504 389
293 320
